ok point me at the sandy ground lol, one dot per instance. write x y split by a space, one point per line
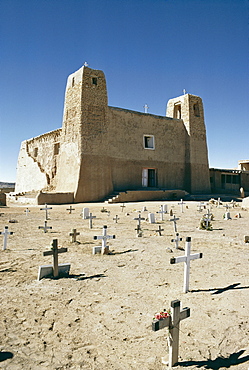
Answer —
100 316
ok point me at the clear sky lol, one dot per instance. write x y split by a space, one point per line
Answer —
149 50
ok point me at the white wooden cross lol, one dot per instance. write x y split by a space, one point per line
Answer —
218 203
116 218
146 108
74 234
161 212
227 207
186 259
6 232
46 208
174 219
200 205
27 211
70 209
173 323
123 206
45 227
91 217
176 240
139 219
181 204
207 218
54 252
104 248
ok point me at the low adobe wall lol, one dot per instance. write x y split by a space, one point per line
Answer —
55 198
140 195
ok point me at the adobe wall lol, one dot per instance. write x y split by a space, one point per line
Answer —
37 162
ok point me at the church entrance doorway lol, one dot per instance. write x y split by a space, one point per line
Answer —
149 177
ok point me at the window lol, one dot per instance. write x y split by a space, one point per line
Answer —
196 110
56 148
149 142
73 82
95 81
35 152
177 111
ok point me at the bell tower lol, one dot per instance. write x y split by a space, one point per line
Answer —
189 109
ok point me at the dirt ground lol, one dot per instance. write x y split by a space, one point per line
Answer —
100 317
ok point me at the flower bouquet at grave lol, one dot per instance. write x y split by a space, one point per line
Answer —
162 315
103 210
205 225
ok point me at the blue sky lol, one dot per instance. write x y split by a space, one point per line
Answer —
149 50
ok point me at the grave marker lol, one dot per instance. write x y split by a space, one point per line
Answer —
45 227
186 259
173 323
174 219
139 231
123 206
159 231
27 211
46 208
85 213
181 204
91 217
176 240
55 268
165 208
70 209
74 234
116 218
161 212
5 233
139 219
104 249
151 217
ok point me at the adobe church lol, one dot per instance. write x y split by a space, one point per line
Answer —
102 149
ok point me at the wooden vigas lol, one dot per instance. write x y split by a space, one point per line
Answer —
173 323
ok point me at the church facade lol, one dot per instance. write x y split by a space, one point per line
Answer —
101 149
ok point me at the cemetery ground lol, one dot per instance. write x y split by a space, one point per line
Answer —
100 316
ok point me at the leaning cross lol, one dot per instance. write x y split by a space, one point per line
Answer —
104 237
70 209
173 323
174 219
159 231
186 259
90 218
46 208
176 240
74 234
6 232
45 227
181 204
139 219
54 252
116 218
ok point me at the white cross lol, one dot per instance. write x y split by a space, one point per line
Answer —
174 219
86 64
227 207
6 232
176 240
207 218
146 108
27 211
74 234
173 323
46 208
200 205
104 238
161 212
139 219
184 91
181 204
91 217
186 259
218 203
45 227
